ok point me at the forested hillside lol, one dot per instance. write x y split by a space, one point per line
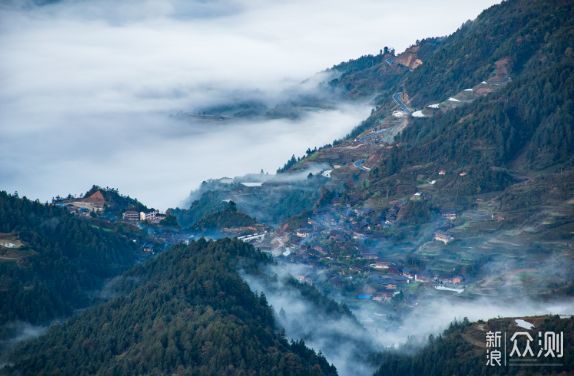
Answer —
117 203
51 262
187 312
211 212
523 126
460 181
533 117
367 76
229 216
269 203
527 126
461 349
531 34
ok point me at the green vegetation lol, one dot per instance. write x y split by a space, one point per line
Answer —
187 312
416 212
524 128
328 307
117 203
64 259
461 350
211 212
501 166
367 76
227 217
169 221
290 163
532 117
290 200
294 160
270 203
531 34
209 203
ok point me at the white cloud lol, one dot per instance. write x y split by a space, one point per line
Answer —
85 86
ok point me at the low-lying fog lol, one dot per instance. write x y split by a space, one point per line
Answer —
347 344
87 86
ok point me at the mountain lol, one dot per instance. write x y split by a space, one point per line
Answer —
459 182
465 165
525 35
496 115
52 262
270 199
112 201
212 211
530 35
526 124
367 76
188 312
226 218
488 110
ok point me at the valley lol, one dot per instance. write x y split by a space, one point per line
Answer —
444 215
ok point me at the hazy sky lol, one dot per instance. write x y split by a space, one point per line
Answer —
87 87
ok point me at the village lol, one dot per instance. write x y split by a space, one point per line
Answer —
363 254
368 257
368 252
351 247
342 247
152 230
95 204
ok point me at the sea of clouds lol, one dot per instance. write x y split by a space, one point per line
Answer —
88 87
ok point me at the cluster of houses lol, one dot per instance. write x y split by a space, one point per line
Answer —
332 239
381 280
392 283
153 217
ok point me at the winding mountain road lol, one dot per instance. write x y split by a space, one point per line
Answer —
400 103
